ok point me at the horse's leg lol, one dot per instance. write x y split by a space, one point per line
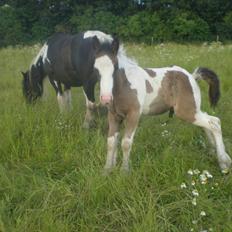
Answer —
213 124
112 141
68 97
59 94
90 104
131 123
210 138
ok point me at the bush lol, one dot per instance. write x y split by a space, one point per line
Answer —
96 20
144 26
186 26
40 30
10 26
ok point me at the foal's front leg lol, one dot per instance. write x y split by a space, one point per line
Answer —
131 122
112 141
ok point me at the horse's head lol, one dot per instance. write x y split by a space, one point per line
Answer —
27 91
32 87
106 62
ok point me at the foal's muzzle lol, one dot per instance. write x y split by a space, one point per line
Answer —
105 99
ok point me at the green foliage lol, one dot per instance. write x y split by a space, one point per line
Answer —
188 27
90 19
10 26
144 26
142 21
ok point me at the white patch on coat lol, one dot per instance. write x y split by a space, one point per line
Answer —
135 77
45 55
105 67
42 53
123 60
156 85
100 35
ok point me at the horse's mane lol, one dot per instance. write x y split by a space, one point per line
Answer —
123 60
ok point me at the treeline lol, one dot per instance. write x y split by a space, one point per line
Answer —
29 21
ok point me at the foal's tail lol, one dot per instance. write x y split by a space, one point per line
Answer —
212 79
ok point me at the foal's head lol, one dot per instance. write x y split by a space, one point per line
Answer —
106 62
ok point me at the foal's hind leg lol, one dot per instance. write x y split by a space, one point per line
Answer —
213 124
210 137
112 141
131 122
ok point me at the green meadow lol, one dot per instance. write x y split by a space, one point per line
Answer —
51 168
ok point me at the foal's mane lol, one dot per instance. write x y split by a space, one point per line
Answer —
123 60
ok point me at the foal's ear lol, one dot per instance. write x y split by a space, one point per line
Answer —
96 43
115 45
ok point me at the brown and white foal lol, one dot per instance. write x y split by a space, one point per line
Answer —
130 91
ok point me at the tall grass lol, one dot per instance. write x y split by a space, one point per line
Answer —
51 168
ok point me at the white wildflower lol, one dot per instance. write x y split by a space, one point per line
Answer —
196 171
195 193
194 222
202 213
165 133
206 173
203 178
193 183
183 186
194 201
163 124
190 172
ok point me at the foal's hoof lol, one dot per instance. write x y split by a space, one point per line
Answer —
225 171
106 171
225 165
125 170
86 125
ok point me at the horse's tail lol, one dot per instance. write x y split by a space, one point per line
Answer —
212 79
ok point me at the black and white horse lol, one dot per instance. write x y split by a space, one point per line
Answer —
129 91
69 60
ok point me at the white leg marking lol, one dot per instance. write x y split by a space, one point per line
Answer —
111 158
126 148
213 124
90 106
68 99
210 137
61 102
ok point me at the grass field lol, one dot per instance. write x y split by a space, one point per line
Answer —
51 168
